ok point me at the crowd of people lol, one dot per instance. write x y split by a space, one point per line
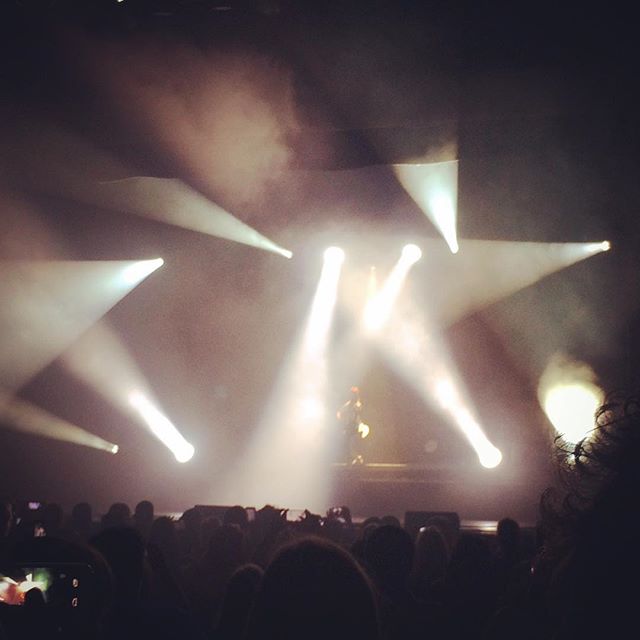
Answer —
253 576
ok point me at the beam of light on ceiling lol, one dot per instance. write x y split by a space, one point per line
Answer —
55 161
47 305
23 416
569 395
138 271
597 247
434 188
485 271
162 427
101 360
420 357
379 307
287 460
174 202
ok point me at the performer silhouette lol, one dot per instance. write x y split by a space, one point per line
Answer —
354 430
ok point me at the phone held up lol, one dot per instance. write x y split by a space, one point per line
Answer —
61 584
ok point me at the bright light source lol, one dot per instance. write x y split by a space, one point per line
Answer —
571 408
451 403
334 255
443 216
596 247
115 449
445 393
434 188
490 457
374 316
184 454
311 410
162 427
411 253
570 397
138 271
286 253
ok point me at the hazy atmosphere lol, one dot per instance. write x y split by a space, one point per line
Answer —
237 143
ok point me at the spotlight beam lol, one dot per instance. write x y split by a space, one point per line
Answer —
67 165
448 398
173 202
25 417
324 301
378 309
162 427
422 361
49 304
434 188
286 460
485 271
101 360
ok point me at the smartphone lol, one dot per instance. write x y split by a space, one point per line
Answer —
61 584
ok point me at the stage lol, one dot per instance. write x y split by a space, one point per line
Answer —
377 489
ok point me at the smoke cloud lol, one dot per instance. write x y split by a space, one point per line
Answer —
223 116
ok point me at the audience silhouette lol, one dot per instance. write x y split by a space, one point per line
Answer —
239 599
143 517
151 576
314 589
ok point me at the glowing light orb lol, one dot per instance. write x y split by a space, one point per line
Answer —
490 457
411 253
571 409
184 453
334 255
